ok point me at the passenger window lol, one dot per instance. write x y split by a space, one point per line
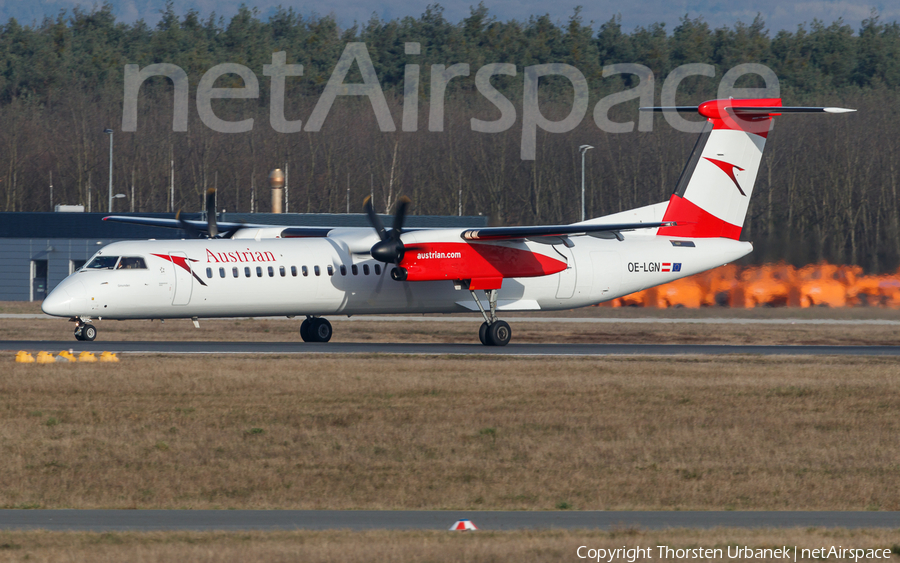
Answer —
209 273
281 270
366 269
271 272
305 271
246 271
355 269
221 272
234 271
377 269
330 269
294 271
316 270
259 271
343 270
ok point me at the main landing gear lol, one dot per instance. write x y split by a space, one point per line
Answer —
493 331
84 330
315 329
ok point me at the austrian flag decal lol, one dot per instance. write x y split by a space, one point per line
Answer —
671 267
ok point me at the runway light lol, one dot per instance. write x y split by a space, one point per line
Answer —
66 356
463 526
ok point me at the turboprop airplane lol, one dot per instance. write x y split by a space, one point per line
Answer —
233 269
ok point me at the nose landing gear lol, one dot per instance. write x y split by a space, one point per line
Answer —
493 331
84 330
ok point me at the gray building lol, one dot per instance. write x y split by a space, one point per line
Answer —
38 250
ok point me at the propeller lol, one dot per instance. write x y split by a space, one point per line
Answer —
211 213
190 230
390 248
212 229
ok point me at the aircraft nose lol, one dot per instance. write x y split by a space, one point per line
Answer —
62 301
57 303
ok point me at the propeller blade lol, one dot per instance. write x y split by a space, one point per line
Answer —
190 230
211 213
374 220
400 217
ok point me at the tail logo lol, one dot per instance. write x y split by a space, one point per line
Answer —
728 169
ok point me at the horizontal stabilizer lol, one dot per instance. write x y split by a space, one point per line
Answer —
774 110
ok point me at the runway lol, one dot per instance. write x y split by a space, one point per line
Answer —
543 319
514 349
200 520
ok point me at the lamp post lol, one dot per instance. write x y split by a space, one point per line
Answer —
110 133
583 149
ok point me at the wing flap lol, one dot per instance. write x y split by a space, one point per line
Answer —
512 233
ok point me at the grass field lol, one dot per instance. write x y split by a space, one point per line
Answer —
437 547
385 432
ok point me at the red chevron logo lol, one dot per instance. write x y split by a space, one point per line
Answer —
182 262
728 169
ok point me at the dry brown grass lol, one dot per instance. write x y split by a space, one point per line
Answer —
20 307
285 330
433 433
437 547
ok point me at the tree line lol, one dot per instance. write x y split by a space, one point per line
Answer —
827 188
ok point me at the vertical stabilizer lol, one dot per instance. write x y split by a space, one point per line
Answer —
713 192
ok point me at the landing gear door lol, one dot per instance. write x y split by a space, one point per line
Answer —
184 278
567 277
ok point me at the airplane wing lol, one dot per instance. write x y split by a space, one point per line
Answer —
179 223
225 229
513 233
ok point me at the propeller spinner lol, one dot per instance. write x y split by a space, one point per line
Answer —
390 248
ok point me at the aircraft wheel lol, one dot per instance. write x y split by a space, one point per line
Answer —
78 333
499 333
88 332
320 330
482 334
304 331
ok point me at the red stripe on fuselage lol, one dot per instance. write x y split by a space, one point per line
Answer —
465 261
695 222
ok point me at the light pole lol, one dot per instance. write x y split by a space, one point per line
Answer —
583 149
110 133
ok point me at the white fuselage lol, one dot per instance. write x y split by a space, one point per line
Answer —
213 280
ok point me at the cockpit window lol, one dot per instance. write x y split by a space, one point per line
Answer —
102 262
132 263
